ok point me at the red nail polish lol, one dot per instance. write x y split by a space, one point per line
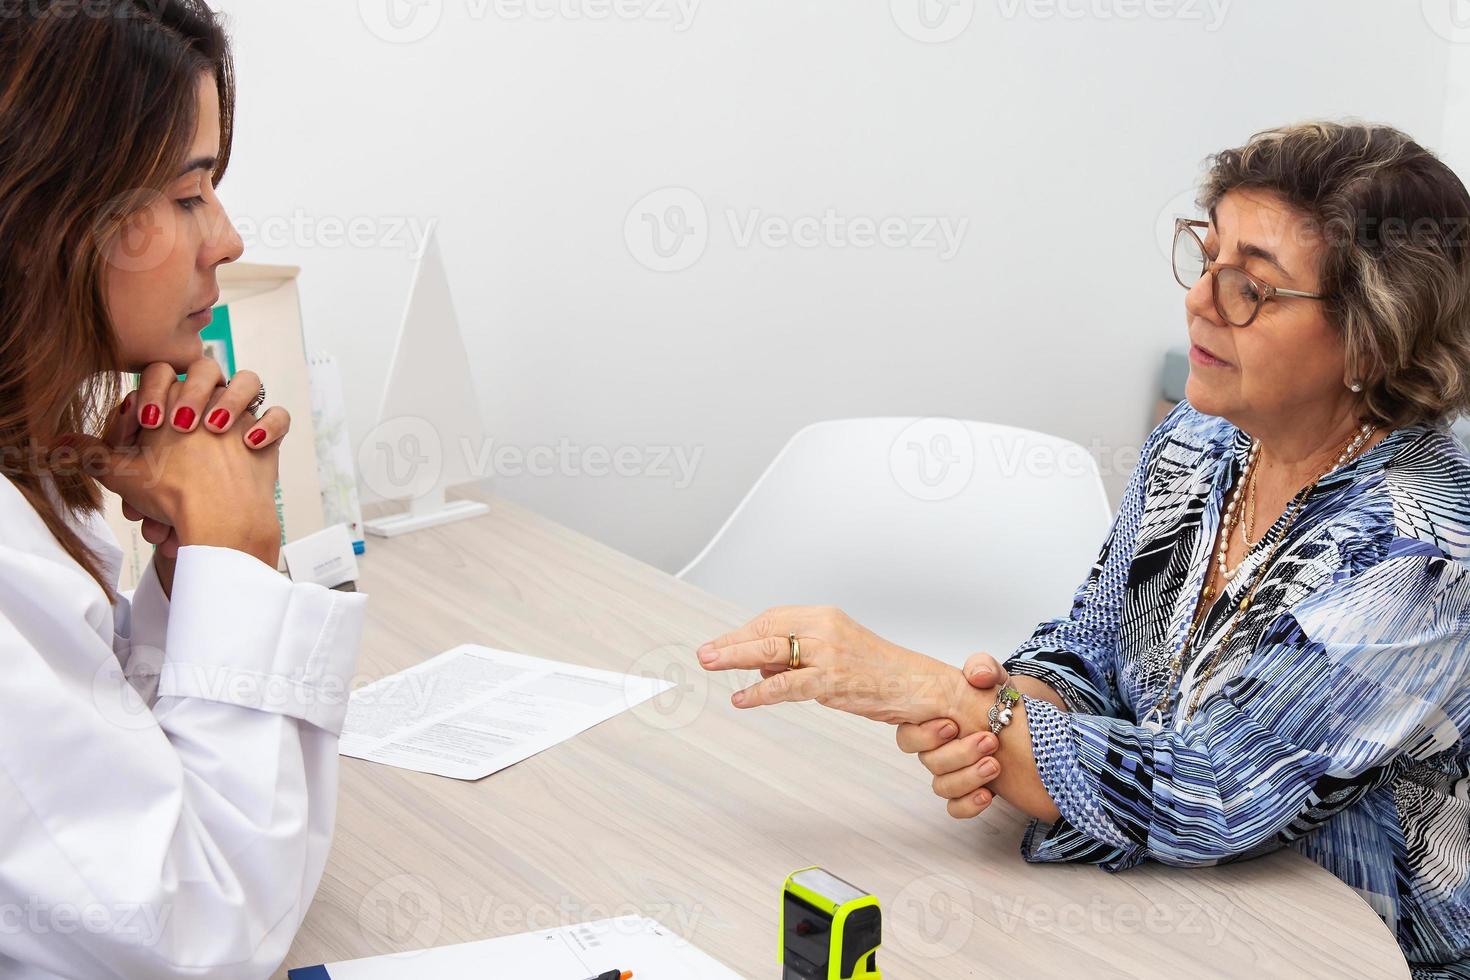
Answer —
219 418
256 437
184 417
151 415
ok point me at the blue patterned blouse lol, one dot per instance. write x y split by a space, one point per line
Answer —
1336 722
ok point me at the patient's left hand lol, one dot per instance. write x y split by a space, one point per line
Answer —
843 665
963 768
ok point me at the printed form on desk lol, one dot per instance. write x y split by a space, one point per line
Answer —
634 943
472 710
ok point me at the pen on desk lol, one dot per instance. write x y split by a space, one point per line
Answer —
614 975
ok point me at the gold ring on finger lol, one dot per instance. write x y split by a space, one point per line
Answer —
795 661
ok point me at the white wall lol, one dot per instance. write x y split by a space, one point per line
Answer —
1064 141
1454 146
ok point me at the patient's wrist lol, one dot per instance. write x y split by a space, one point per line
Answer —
972 705
1037 688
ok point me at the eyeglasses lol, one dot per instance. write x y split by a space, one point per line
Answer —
1238 295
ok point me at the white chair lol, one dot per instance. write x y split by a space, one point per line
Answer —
941 535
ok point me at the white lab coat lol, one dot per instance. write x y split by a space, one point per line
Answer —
168 771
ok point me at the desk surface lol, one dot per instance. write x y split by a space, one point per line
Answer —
690 812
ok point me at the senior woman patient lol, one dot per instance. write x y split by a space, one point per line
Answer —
1273 646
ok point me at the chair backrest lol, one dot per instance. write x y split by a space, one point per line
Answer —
942 535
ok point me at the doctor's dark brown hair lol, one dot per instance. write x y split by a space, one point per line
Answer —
98 107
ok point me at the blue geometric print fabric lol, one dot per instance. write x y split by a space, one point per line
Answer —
1336 720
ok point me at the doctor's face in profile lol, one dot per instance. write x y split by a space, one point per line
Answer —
159 278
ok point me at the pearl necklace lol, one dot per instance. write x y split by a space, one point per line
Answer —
1156 713
1248 478
1231 517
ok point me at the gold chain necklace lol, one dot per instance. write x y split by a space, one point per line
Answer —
1248 529
1296 506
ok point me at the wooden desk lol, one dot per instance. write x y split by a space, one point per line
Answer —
693 813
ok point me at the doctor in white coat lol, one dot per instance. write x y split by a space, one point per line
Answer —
168 762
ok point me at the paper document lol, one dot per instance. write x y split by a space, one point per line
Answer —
631 942
472 710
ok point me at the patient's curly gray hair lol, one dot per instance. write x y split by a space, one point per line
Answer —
1394 222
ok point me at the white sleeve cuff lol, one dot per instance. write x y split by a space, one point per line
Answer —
148 624
241 633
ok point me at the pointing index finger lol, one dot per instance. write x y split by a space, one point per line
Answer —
771 623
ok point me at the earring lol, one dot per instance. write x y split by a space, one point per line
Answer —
1356 386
